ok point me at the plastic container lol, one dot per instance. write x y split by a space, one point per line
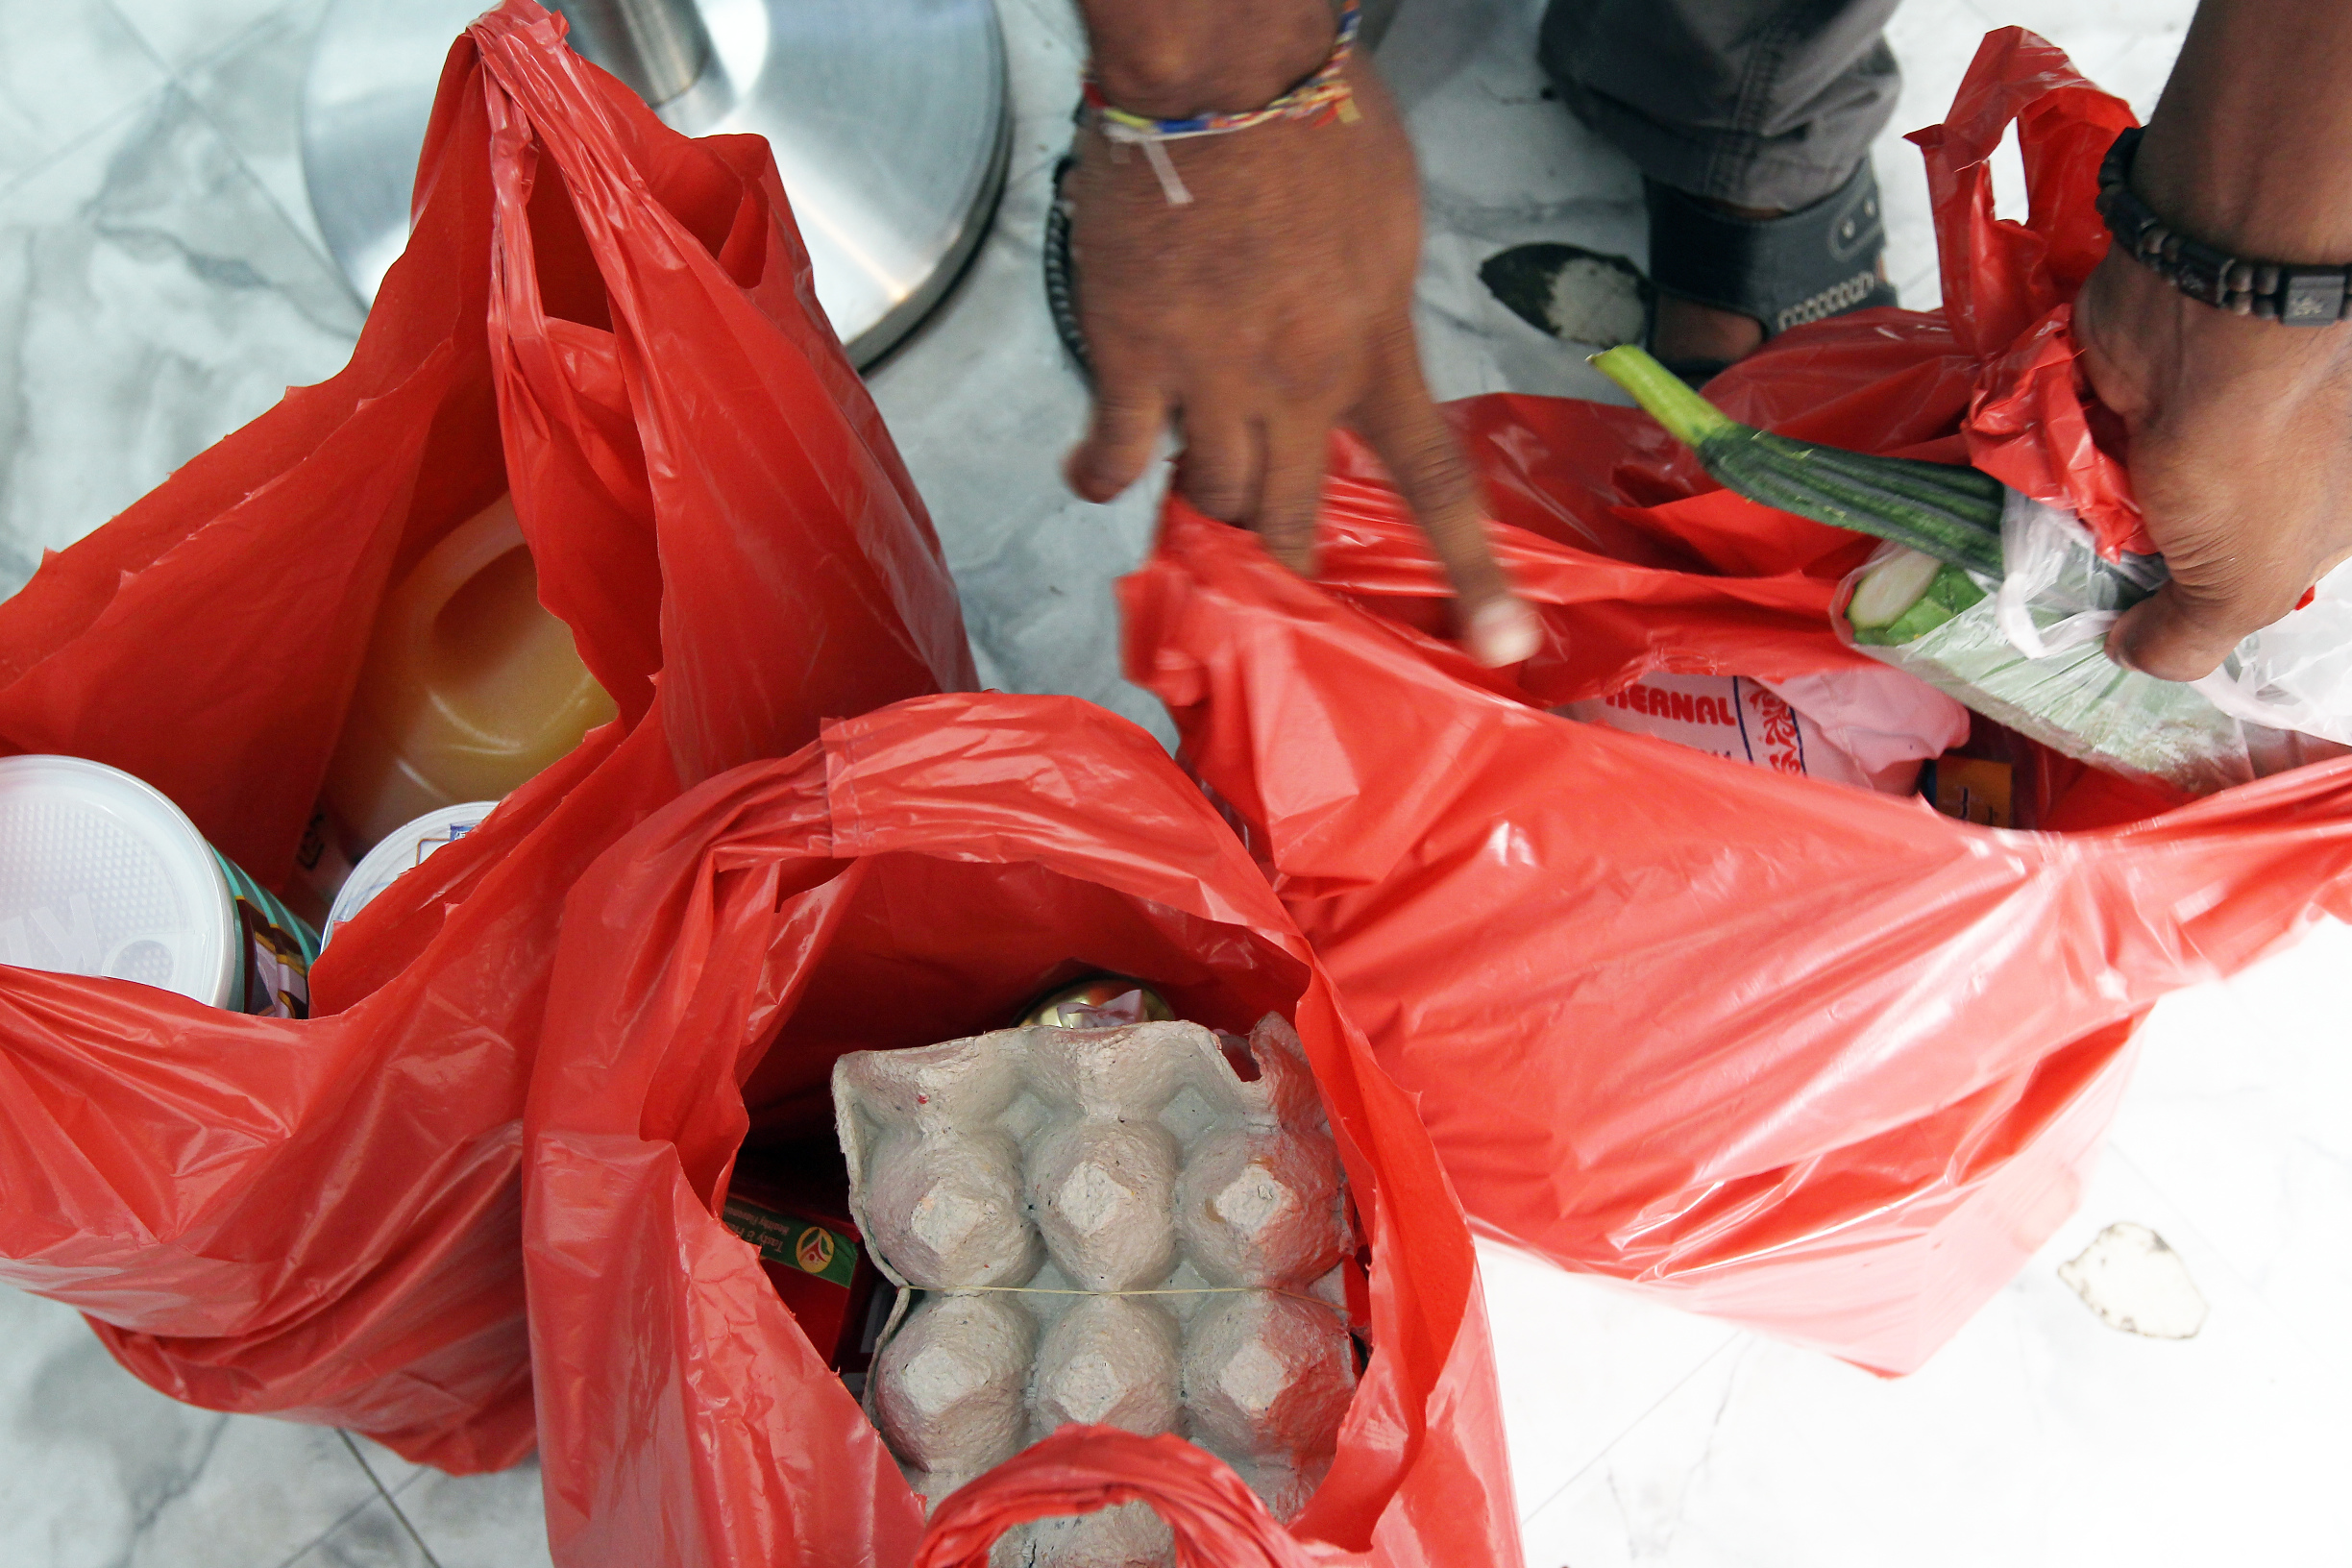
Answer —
404 850
470 687
101 875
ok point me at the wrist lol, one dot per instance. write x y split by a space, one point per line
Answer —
2252 202
1177 59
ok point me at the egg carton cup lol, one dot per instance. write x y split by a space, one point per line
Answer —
1110 1227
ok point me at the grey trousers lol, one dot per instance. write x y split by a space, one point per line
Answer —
1760 103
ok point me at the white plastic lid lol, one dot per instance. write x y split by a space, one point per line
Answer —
404 852
101 874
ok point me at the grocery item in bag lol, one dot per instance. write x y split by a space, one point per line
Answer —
1103 1226
1748 720
814 1254
404 850
1980 640
1816 1060
469 690
1099 1002
101 875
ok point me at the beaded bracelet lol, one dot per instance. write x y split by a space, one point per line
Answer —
2280 291
1322 97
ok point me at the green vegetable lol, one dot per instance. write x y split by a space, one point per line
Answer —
1952 513
1949 592
1891 586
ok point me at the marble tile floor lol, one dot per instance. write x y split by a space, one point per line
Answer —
161 280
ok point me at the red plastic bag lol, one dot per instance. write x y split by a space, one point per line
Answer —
320 1218
1814 1059
919 876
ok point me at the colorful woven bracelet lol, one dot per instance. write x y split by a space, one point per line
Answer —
1321 97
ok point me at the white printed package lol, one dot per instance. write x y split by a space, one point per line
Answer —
1102 1226
1867 729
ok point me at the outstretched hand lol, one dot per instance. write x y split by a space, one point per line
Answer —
1273 306
2240 457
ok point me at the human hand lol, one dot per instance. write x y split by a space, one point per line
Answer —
1273 306
2240 457
2240 429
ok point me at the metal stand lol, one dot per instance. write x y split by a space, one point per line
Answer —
887 117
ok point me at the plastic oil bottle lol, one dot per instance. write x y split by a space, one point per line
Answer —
470 687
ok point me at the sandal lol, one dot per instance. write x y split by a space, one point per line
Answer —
1808 265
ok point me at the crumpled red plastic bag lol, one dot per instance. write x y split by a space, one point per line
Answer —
1809 1058
919 876
1814 1059
1217 1521
321 1219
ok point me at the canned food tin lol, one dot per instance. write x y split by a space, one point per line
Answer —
1103 1002
101 875
407 848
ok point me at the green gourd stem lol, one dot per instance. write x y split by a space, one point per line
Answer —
1664 396
1885 497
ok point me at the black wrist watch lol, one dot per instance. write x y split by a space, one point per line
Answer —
2289 294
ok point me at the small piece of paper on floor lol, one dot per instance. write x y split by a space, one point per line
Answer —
2135 1282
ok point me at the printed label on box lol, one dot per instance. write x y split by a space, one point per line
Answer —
1729 716
805 1244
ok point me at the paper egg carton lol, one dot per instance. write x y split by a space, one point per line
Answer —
1105 1226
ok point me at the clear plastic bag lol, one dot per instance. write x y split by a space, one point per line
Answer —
2030 652
2295 673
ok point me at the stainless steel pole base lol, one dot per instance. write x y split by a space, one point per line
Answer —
888 119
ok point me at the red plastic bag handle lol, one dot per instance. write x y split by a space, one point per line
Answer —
1218 1521
2000 277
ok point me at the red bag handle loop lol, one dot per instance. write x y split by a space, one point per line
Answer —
1218 1521
2000 277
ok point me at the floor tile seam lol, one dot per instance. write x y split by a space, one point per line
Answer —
82 138
122 19
179 77
222 49
340 1520
2118 1149
253 176
389 1495
1737 1340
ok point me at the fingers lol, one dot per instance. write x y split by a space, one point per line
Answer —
1218 468
2238 542
2175 635
1292 496
1426 460
1129 414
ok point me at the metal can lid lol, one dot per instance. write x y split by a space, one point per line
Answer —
1102 1001
101 874
409 847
